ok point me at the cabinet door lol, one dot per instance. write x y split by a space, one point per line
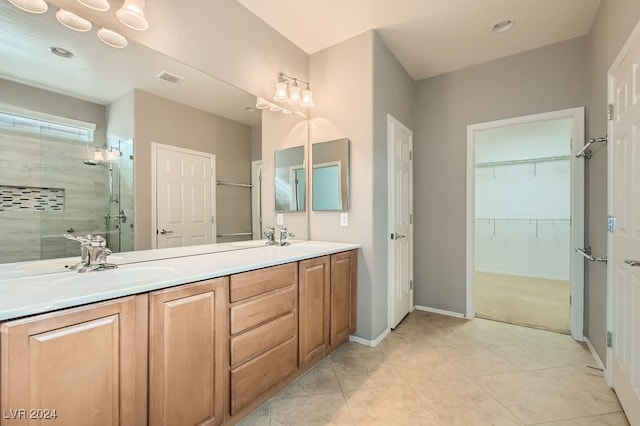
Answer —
88 364
314 288
187 344
344 297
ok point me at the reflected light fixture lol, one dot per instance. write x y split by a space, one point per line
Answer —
287 90
99 5
31 6
132 15
262 103
112 38
73 21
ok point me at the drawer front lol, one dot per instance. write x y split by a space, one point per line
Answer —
252 343
252 283
259 375
262 309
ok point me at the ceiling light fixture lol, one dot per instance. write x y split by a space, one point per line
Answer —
132 15
503 26
99 5
262 103
73 21
112 38
293 95
31 6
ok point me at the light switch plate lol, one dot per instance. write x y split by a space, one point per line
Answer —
279 219
344 219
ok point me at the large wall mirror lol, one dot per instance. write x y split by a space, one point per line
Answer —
76 138
290 180
330 175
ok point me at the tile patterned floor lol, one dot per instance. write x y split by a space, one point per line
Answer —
438 370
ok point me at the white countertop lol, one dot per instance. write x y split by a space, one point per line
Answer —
29 295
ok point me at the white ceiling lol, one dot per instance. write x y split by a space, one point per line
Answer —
430 37
102 74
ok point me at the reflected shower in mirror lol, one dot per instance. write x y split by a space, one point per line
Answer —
290 180
330 175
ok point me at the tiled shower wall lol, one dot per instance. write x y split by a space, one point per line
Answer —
29 161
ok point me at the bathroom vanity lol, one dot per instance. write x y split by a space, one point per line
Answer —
197 340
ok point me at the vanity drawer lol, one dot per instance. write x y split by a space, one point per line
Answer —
259 375
261 339
262 309
252 283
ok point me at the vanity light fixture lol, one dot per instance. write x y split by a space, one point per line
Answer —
99 5
112 38
262 103
31 6
73 21
132 15
287 90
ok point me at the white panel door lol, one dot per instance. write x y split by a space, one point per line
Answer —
184 197
400 207
624 205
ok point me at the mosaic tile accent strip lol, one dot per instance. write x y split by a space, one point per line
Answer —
25 198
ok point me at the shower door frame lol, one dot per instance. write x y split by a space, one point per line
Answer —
577 115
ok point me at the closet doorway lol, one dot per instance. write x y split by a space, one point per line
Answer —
525 220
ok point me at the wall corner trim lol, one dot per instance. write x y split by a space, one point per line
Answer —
440 311
599 363
370 343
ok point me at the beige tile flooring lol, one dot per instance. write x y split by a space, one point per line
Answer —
438 370
529 301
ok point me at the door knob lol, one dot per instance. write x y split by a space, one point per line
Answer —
632 262
164 232
396 236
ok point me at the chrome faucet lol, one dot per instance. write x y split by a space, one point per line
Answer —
93 254
270 235
285 235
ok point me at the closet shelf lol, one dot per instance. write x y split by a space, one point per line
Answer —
523 161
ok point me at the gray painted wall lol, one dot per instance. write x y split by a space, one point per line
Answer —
611 28
163 121
540 80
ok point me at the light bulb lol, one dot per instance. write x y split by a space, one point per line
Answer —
281 92
294 94
307 99
132 15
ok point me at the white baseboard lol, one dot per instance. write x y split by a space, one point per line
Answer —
594 353
440 311
370 343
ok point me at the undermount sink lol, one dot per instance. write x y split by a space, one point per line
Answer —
130 275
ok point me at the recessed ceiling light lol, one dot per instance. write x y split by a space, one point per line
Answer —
503 26
31 6
59 51
100 5
112 38
73 21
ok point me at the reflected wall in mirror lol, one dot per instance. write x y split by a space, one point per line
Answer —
122 92
290 180
330 175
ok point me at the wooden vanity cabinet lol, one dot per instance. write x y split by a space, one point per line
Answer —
314 290
344 296
187 343
83 366
263 333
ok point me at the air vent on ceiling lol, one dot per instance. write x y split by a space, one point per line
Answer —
171 78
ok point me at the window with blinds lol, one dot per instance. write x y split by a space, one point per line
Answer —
45 128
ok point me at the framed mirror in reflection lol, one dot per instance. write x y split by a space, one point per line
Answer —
290 181
53 184
330 175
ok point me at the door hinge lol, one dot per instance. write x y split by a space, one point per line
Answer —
609 339
411 219
610 112
611 223
213 219
570 300
410 284
260 178
411 155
